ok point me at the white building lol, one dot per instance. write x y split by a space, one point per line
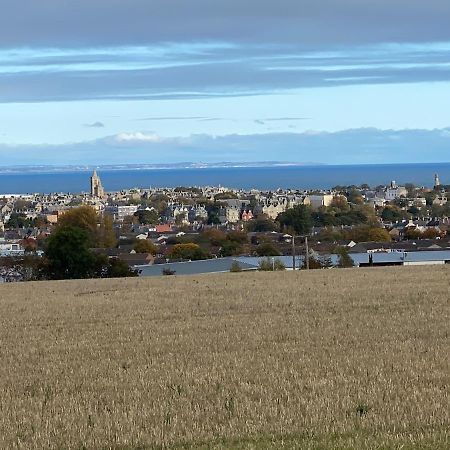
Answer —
118 213
393 192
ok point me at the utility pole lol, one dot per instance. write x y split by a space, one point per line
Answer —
293 252
307 252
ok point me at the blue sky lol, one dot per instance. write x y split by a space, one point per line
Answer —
336 81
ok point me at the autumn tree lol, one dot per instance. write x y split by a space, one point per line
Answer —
145 246
187 251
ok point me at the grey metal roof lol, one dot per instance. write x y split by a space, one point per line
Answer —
251 263
193 267
400 257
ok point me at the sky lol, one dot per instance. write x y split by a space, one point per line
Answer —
165 81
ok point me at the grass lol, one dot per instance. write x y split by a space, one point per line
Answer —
331 359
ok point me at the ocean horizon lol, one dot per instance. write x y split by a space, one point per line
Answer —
259 177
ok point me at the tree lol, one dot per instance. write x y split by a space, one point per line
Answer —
314 263
378 235
106 237
340 202
68 255
271 264
414 211
147 217
262 224
19 221
187 251
429 197
145 246
432 233
411 190
354 196
84 217
298 218
225 196
391 214
344 259
267 249
412 233
119 269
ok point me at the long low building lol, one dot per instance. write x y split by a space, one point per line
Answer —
220 265
402 258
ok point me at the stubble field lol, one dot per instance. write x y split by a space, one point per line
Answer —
331 359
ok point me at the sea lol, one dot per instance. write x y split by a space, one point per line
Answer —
263 178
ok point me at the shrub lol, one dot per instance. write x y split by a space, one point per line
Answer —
271 264
235 267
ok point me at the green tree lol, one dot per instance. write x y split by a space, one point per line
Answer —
344 259
297 218
113 268
267 249
68 254
262 224
17 220
147 217
391 214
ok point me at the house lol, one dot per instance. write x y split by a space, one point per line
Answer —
137 259
246 215
271 207
197 213
119 212
11 248
316 201
440 200
166 228
393 192
229 214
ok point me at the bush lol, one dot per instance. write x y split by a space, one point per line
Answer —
271 264
235 267
267 249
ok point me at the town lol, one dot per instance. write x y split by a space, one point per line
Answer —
218 229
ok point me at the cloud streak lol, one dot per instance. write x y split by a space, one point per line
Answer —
97 22
95 125
358 146
210 70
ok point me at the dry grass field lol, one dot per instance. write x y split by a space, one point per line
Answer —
335 359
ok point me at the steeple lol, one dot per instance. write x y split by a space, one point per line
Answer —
96 186
437 181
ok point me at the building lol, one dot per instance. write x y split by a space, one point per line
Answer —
316 201
96 186
119 212
437 182
229 214
393 192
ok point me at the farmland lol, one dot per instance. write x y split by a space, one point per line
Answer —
326 359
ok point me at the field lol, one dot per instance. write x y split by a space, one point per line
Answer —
331 359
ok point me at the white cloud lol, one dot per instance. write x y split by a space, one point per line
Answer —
137 137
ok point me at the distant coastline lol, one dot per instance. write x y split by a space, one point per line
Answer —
262 176
182 165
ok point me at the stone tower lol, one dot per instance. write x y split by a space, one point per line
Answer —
437 181
96 186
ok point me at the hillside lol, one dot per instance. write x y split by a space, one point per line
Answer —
327 359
